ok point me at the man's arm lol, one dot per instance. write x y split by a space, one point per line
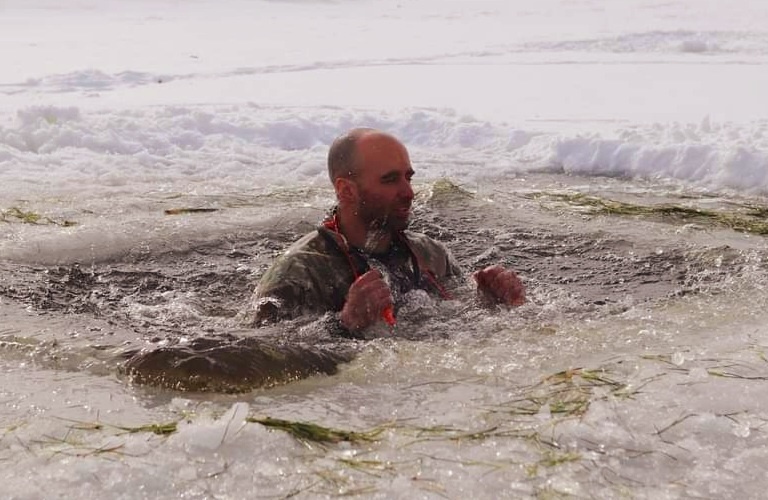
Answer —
495 284
368 296
309 278
276 301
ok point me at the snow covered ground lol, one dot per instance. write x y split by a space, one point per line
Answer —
111 93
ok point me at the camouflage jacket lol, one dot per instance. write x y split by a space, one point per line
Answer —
314 275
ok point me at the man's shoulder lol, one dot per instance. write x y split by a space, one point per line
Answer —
433 254
310 242
423 243
310 247
314 257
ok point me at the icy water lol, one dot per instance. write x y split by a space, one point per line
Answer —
637 369
156 156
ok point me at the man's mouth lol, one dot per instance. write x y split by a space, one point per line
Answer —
402 212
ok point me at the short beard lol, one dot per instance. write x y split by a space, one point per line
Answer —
386 223
380 227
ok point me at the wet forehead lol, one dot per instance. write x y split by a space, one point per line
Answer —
379 153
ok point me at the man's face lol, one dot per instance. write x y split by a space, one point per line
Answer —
383 178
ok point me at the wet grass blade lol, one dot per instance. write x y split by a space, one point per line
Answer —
161 429
307 431
16 214
180 211
751 220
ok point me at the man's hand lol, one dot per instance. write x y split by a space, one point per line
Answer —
367 297
501 285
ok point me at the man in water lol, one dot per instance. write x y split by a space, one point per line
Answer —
362 256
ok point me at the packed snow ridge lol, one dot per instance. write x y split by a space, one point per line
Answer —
278 145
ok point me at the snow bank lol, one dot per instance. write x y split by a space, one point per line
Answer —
237 146
716 156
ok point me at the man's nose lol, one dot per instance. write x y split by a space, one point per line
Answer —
406 191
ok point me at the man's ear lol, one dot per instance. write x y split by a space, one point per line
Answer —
346 190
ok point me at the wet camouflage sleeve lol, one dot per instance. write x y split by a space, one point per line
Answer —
309 278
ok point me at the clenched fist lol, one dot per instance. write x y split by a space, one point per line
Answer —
501 285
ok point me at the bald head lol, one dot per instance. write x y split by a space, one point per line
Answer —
343 157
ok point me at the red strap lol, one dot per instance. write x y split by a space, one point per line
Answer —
333 225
